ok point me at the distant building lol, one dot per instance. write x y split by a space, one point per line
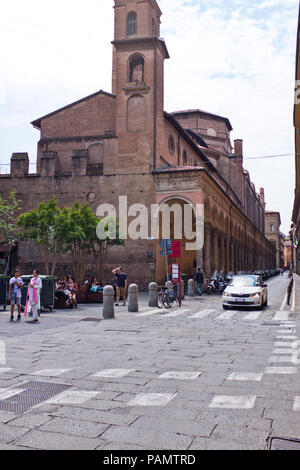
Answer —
273 233
288 249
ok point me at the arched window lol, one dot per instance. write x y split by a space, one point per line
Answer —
132 24
136 69
211 132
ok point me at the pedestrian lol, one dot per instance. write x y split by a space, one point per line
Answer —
199 281
121 280
15 294
33 303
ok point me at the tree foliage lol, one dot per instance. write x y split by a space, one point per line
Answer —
9 209
44 226
69 231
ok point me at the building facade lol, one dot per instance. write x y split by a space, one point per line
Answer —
123 143
288 252
296 210
275 236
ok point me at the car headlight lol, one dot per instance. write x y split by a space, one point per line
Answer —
255 295
226 294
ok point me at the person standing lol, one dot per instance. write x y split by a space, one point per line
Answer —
121 287
199 281
15 294
34 297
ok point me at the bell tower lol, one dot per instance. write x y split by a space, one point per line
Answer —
138 76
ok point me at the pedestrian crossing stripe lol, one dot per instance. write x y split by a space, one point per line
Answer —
249 316
175 313
202 314
153 399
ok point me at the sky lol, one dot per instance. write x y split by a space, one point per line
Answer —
235 58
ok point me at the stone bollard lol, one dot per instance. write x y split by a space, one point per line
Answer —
191 288
152 294
108 302
182 289
133 298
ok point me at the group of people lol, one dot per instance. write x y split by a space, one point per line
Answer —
119 284
33 296
94 284
67 289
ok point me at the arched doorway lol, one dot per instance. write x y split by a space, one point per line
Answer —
173 223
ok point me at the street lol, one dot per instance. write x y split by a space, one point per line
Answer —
194 378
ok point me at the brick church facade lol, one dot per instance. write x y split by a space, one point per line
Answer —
123 143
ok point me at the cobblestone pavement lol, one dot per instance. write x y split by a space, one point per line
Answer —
185 379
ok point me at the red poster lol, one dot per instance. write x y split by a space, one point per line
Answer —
176 249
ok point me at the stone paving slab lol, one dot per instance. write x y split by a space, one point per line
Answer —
10 433
74 427
151 439
287 429
188 428
30 421
105 417
56 441
221 444
243 435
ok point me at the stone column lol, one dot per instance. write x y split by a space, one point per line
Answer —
207 248
216 250
222 251
227 254
232 264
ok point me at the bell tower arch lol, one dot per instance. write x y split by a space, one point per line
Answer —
138 75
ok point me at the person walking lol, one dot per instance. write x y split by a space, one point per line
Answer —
15 294
199 281
33 303
121 288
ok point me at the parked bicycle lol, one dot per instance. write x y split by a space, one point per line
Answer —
167 297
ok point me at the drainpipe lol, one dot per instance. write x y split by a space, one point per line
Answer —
155 107
230 242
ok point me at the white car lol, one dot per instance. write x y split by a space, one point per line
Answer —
245 291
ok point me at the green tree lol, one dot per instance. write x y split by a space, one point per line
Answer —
45 227
80 234
9 209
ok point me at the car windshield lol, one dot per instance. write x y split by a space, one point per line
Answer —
244 281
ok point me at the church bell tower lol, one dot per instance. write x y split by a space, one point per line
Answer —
138 76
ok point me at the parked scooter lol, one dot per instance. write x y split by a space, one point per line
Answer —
211 288
217 284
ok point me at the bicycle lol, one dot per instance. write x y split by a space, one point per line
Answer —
166 298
